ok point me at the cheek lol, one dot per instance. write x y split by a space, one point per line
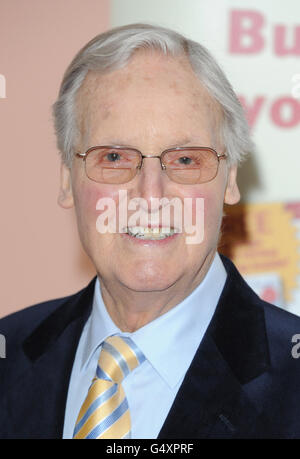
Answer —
86 202
213 209
210 201
207 220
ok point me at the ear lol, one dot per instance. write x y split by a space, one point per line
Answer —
65 196
232 193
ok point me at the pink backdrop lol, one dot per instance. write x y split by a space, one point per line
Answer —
41 257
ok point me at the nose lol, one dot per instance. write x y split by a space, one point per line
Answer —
152 181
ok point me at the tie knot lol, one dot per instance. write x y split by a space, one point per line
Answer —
118 357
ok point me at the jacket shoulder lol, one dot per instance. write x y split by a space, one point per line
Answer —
242 309
17 325
281 328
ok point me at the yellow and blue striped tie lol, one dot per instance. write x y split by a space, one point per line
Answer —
105 413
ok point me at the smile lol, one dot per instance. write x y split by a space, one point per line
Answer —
154 234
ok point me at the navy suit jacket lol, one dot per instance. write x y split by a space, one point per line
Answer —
242 383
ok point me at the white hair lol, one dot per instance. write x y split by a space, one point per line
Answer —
113 49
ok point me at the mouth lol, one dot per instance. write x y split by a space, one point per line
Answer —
151 234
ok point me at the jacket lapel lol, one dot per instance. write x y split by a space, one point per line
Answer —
46 369
213 400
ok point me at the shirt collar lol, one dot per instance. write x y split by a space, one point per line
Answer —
169 342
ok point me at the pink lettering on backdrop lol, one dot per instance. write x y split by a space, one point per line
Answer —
285 104
284 112
246 35
245 32
280 41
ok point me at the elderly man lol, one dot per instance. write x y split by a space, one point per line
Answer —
167 341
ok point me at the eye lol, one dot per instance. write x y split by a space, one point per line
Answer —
185 160
113 157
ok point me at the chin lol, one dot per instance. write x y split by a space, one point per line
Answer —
150 282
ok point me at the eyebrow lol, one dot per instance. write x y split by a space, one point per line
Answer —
118 142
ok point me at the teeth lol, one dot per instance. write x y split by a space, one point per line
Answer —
142 232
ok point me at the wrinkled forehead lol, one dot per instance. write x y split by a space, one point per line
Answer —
150 87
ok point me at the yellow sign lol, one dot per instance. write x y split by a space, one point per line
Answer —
261 238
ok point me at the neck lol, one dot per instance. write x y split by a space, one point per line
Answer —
130 309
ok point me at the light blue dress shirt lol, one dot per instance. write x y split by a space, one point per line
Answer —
169 344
